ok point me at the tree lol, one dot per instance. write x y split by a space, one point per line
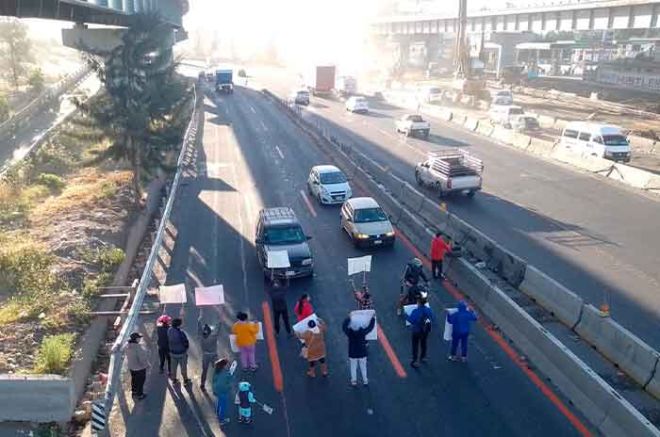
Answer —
15 49
36 80
4 108
141 89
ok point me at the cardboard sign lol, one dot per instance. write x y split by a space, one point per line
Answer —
172 294
449 328
301 326
408 309
359 265
362 318
260 334
214 295
232 343
277 259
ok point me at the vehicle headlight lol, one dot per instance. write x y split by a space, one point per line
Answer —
306 262
390 234
324 190
362 236
349 192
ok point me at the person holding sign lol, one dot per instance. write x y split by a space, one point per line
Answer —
280 311
179 344
246 340
314 339
208 338
460 321
357 348
303 308
421 320
222 381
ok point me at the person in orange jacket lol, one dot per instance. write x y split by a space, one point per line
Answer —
439 247
246 340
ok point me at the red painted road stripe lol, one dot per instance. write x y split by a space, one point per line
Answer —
398 368
506 347
278 379
308 203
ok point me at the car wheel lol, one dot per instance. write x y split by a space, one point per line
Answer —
471 193
419 180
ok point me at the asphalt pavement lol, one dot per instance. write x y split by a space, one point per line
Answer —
596 237
252 157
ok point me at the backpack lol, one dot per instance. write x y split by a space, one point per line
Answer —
425 322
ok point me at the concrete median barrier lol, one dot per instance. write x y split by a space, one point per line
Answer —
546 121
597 400
619 345
520 141
632 176
485 128
540 147
471 123
458 119
37 398
551 295
586 162
560 123
653 386
502 134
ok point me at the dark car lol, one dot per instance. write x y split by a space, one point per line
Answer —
278 229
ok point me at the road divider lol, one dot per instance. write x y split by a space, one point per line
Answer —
471 123
485 128
520 141
540 147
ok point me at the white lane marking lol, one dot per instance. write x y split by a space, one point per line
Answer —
263 125
252 109
241 228
308 203
386 133
279 152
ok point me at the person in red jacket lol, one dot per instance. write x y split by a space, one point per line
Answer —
303 308
439 247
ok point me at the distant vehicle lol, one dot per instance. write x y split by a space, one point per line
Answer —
451 171
346 85
413 124
278 229
357 104
366 223
505 115
604 141
320 80
201 75
501 97
210 76
299 97
224 81
241 73
429 94
525 123
328 184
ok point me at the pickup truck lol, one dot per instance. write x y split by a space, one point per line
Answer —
450 171
413 124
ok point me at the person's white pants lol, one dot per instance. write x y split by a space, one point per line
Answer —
363 369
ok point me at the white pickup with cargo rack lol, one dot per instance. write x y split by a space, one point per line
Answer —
451 171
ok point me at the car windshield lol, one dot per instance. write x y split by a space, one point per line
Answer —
360 100
434 90
615 140
415 118
368 215
335 177
303 94
516 111
284 235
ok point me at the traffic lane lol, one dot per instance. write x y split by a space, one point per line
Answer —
332 300
597 264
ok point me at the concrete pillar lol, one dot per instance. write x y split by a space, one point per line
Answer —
116 4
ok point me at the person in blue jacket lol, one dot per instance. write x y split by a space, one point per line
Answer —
421 320
460 321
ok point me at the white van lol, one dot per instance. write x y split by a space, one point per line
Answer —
602 140
501 97
505 115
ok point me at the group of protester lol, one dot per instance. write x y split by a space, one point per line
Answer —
173 342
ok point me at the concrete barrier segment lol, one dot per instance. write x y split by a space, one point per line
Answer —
471 123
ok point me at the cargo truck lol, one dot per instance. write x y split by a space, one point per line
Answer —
346 86
224 81
321 80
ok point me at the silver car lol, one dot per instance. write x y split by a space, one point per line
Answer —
366 223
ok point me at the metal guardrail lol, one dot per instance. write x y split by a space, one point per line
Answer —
117 353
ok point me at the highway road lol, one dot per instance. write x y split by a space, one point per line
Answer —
252 157
596 237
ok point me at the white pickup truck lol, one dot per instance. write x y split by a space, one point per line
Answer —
413 124
450 171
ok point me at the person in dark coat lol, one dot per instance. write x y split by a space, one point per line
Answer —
179 344
357 348
421 320
460 321
278 300
162 325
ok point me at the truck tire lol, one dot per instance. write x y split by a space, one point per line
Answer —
471 193
419 180
426 135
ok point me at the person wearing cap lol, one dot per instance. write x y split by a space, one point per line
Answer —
162 325
137 360
314 338
208 335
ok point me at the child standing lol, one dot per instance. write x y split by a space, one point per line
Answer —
245 401
246 339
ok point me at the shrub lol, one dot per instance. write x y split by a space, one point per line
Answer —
110 258
91 286
4 108
36 80
55 353
79 311
52 181
25 266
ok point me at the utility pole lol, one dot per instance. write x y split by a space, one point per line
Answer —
462 56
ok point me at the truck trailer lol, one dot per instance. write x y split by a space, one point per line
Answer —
224 81
321 80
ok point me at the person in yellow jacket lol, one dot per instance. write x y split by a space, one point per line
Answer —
246 339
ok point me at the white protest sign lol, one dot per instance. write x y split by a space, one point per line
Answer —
359 265
449 328
232 343
233 367
408 309
260 334
214 295
277 259
172 294
301 326
362 318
